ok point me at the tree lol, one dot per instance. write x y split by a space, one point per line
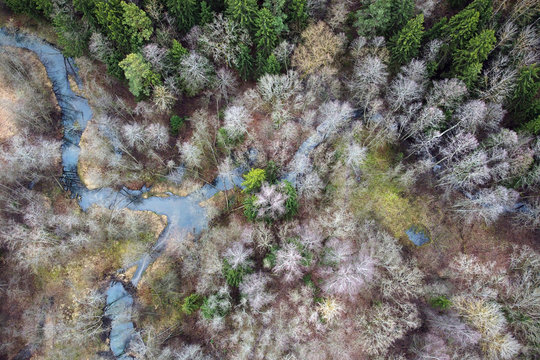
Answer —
253 287
298 15
319 49
236 120
406 43
163 98
139 74
195 73
374 19
191 154
524 103
185 12
244 62
176 53
266 35
72 33
205 14
468 61
243 12
400 12
137 24
462 27
253 180
272 65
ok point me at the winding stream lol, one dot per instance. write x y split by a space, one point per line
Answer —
184 214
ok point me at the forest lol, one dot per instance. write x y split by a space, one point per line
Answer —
269 179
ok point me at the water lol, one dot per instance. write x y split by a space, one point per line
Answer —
184 213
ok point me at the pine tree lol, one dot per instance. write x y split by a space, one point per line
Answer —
406 44
272 65
139 74
244 62
243 12
176 53
400 12
525 103
462 27
137 25
266 35
298 15
468 61
485 10
185 12
206 14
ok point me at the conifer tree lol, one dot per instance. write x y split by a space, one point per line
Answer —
298 15
406 44
468 61
243 12
462 27
401 11
266 35
137 25
139 74
244 62
206 15
272 65
185 12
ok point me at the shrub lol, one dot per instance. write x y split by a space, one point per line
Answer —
440 302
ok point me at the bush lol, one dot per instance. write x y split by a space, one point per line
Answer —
440 302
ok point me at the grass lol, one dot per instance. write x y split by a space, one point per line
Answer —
383 197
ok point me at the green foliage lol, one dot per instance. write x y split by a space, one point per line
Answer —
176 53
139 74
406 44
250 210
525 103
30 7
244 63
176 123
272 172
138 25
400 12
272 65
291 205
468 62
192 303
437 30
225 141
72 35
109 15
462 27
485 10
266 35
253 180
298 15
243 12
440 302
533 126
206 14
374 19
234 276
185 12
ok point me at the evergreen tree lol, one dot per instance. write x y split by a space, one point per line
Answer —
138 25
524 103
109 15
400 12
406 44
72 34
185 12
206 15
462 27
298 15
468 61
139 74
266 36
176 53
244 62
485 10
243 12
374 19
272 65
